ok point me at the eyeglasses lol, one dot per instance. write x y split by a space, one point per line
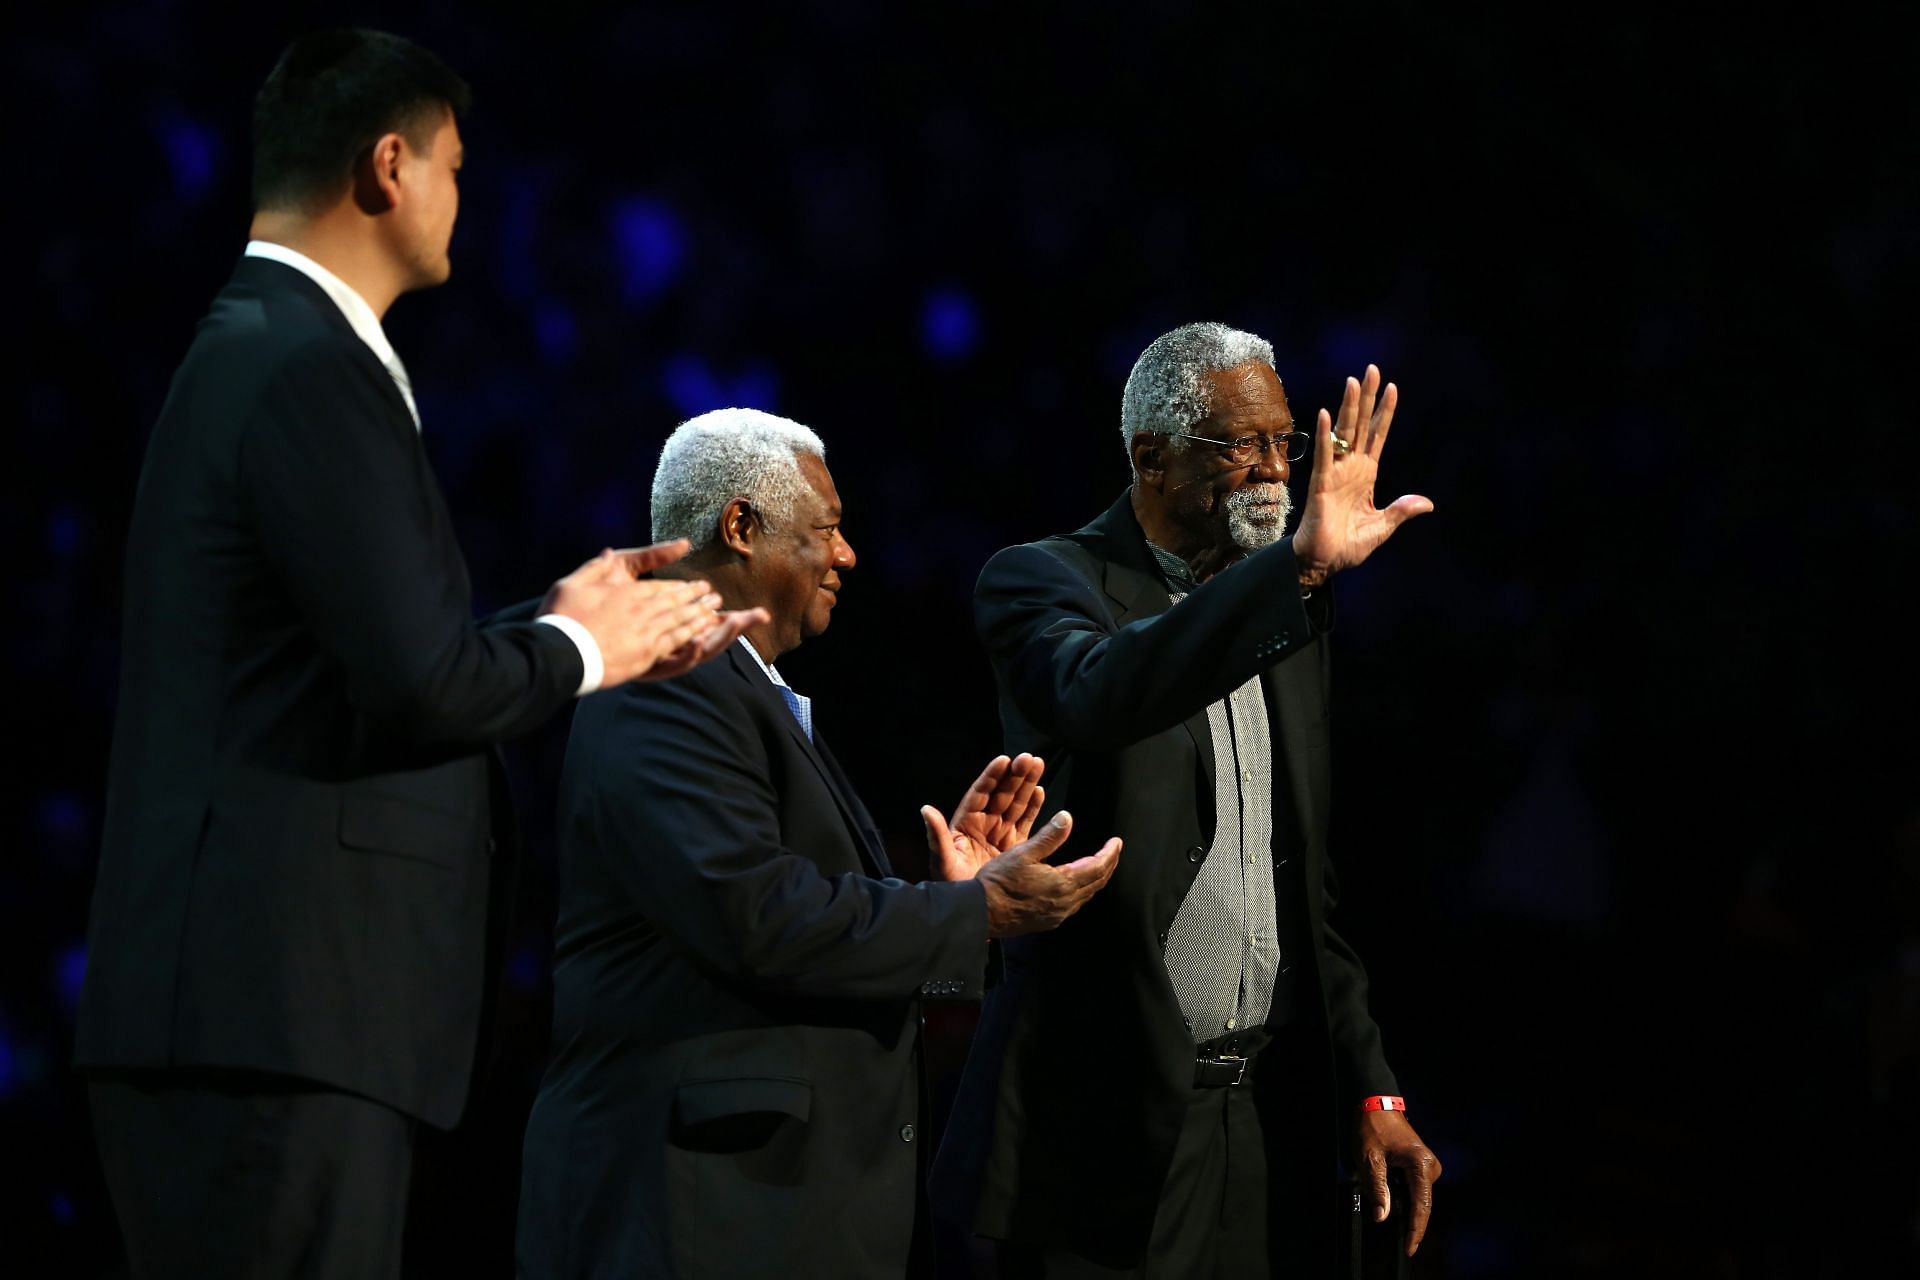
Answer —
1241 452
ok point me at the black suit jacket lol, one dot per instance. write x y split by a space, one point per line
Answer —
300 832
1081 1067
735 1087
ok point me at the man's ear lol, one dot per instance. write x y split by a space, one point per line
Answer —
1149 458
741 528
376 179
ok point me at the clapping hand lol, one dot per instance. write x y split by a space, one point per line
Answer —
647 628
989 839
995 814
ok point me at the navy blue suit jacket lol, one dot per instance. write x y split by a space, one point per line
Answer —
735 1087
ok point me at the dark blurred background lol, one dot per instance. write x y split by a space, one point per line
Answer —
1625 800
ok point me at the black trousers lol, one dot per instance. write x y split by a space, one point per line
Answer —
1212 1219
218 1174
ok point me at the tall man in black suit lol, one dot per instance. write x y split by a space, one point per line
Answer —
307 833
1170 659
735 1086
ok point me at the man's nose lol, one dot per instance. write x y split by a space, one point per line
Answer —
843 557
1271 466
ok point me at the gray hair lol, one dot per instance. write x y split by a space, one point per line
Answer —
1167 390
725 454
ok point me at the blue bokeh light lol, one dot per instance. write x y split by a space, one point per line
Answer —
69 971
192 155
757 387
949 324
693 386
556 331
517 232
690 385
649 245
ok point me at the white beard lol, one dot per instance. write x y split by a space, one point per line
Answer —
1257 515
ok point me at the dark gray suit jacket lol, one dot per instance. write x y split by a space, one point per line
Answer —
303 812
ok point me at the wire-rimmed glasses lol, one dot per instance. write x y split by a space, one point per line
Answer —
1242 450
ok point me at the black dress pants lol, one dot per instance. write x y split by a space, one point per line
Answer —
227 1174
1212 1220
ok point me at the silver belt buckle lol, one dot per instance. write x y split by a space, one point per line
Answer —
1238 1063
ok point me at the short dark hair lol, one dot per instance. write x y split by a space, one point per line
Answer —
331 96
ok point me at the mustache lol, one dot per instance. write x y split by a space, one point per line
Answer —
1277 490
1255 495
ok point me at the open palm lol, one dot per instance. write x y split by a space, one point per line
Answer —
995 814
1339 524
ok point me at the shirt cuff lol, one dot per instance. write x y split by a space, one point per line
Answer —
593 667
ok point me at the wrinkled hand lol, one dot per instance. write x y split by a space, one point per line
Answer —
646 628
1339 525
732 624
996 813
1025 895
1387 1141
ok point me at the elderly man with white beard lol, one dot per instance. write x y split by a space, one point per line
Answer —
1170 1083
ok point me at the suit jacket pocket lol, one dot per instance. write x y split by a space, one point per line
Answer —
737 1115
386 823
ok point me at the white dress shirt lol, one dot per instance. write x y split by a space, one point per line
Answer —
366 326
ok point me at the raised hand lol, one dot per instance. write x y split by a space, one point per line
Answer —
996 813
642 623
1025 895
1339 525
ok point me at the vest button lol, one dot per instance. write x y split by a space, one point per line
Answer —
1196 853
906 1133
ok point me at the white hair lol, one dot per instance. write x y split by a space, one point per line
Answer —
725 454
1167 390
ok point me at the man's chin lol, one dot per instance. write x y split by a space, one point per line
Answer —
431 275
1251 533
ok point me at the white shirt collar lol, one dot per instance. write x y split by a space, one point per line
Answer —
359 313
762 663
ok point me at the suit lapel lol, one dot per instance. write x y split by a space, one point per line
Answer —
1137 592
269 276
868 842
1285 713
851 806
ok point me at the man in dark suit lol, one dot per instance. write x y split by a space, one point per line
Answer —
307 833
735 1083
1170 659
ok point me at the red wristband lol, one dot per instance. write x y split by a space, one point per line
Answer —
1384 1102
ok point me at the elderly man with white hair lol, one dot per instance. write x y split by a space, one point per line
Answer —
1163 1087
734 1088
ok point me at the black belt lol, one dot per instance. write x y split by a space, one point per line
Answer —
1224 1061
1219 1070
